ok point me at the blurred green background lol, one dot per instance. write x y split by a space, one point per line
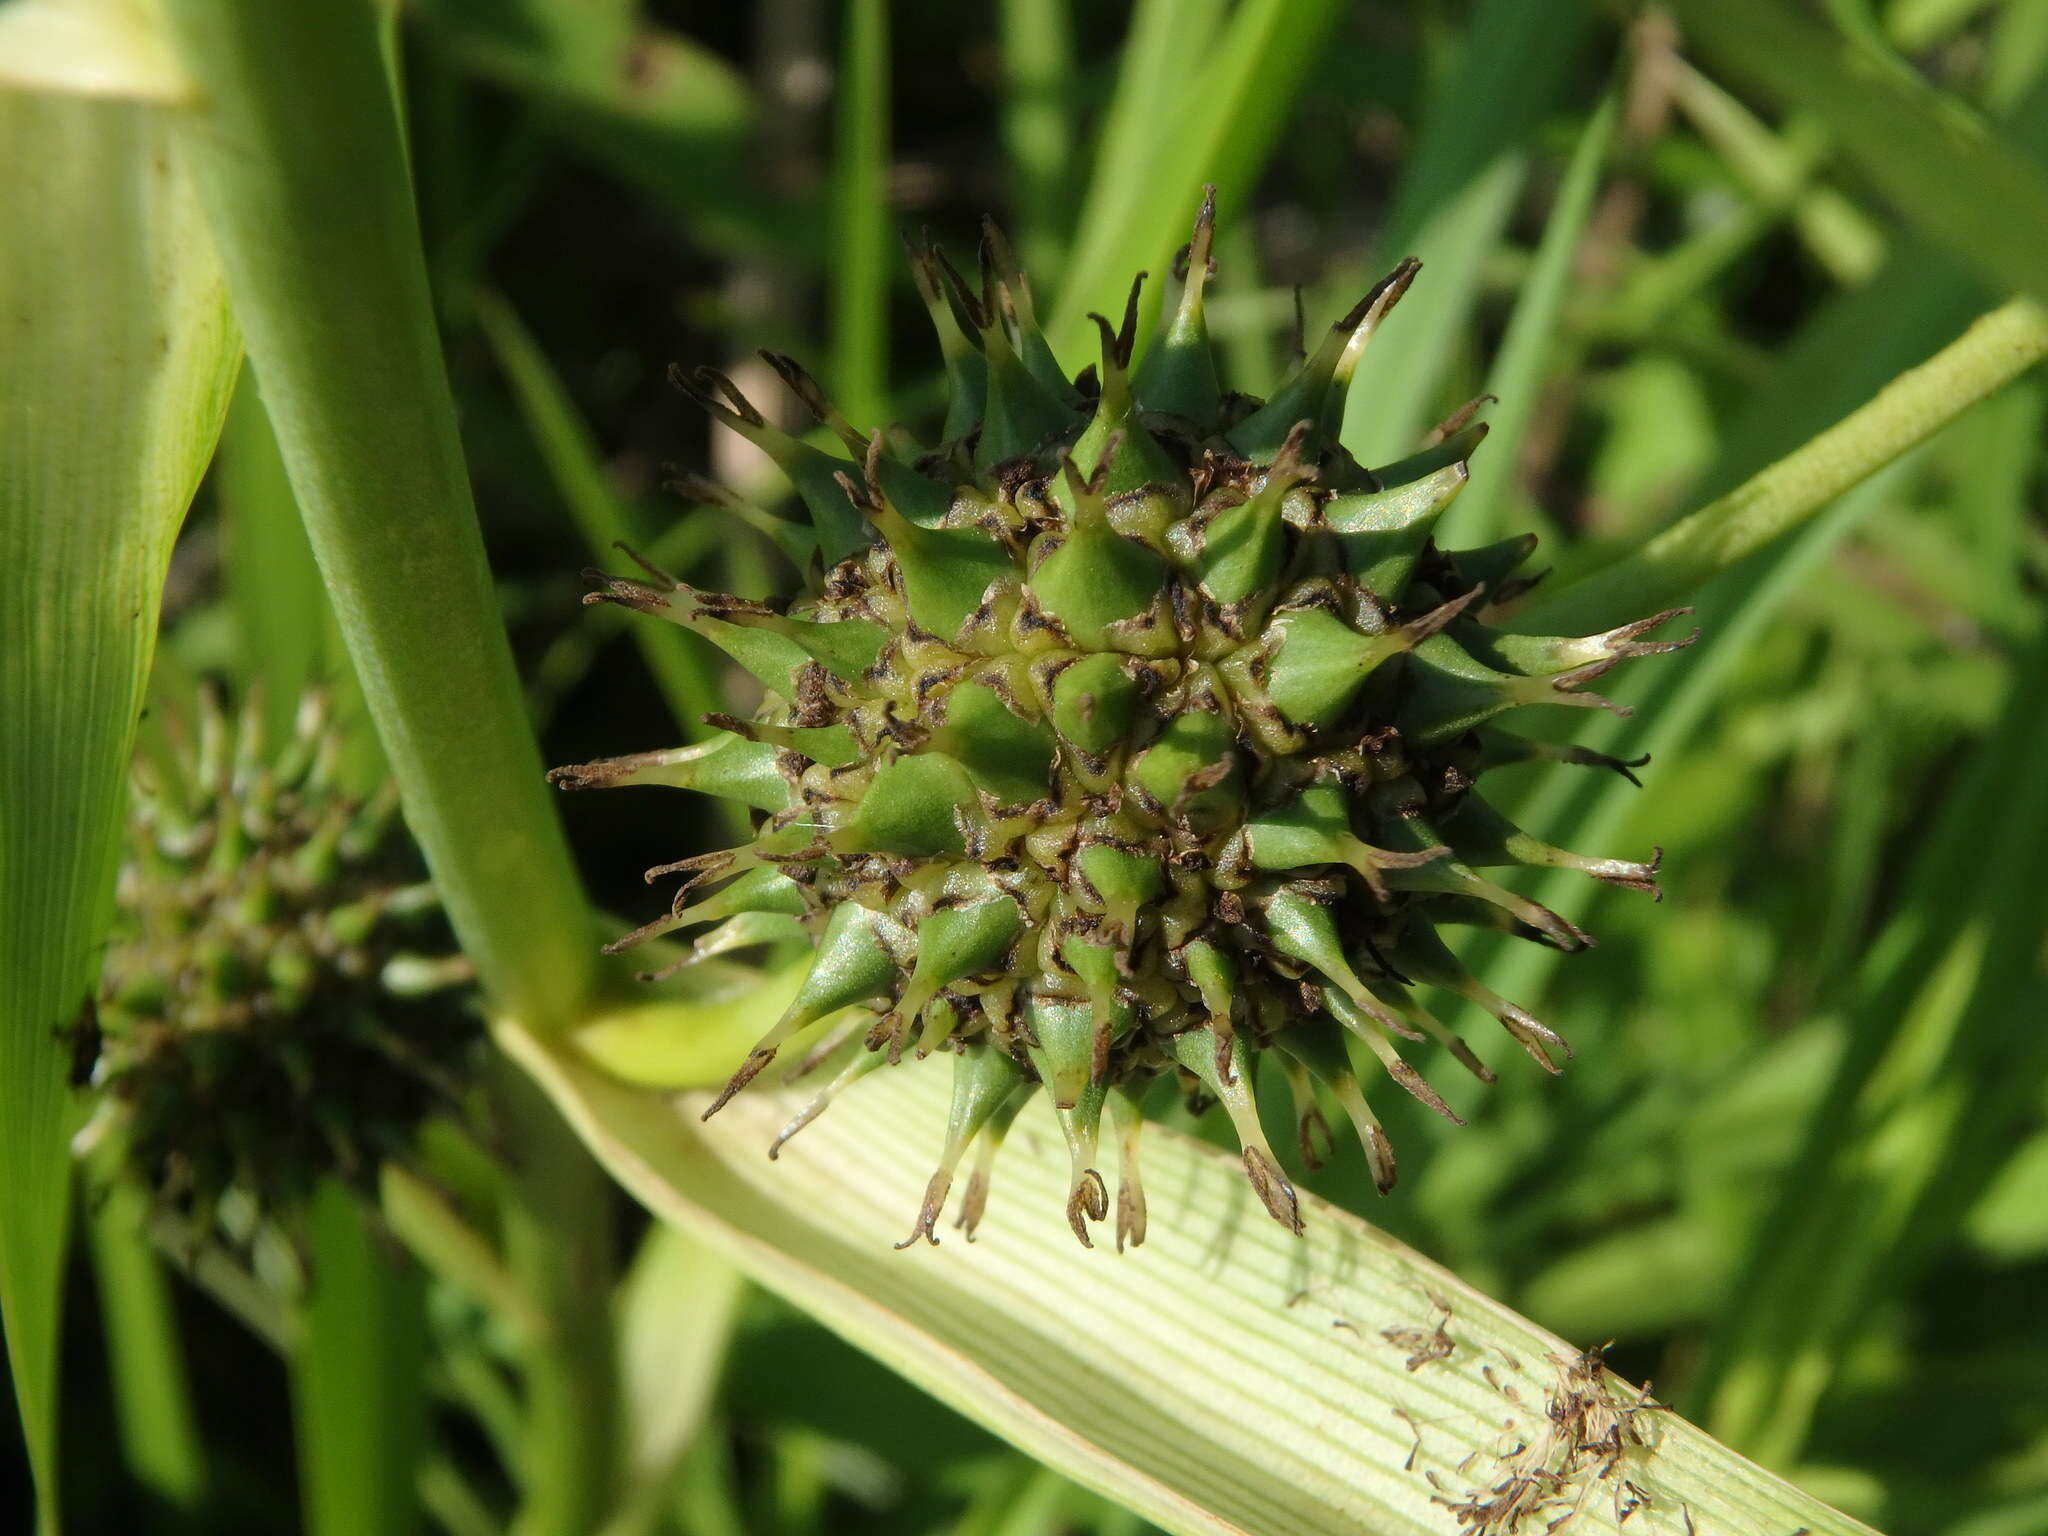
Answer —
1799 1168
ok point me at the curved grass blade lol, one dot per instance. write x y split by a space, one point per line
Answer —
288 638
676 1306
1942 1071
341 333
294 119
679 667
1264 1397
147 1373
1863 338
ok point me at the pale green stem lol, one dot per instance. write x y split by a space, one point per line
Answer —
860 215
1909 410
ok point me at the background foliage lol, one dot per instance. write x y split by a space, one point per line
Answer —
1799 1168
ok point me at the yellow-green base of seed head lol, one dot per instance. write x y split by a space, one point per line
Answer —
1129 732
267 1017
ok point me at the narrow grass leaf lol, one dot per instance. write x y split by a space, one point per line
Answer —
114 375
1452 205
862 251
1218 121
1941 1075
303 175
1162 50
1225 1377
358 1394
146 1370
1521 366
1774 169
1038 127
676 1307
1848 351
661 111
288 638
1946 173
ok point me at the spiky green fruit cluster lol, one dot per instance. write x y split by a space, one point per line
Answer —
265 1019
1129 732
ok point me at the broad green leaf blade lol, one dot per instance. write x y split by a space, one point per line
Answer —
1226 1377
1909 410
114 374
358 1394
1946 173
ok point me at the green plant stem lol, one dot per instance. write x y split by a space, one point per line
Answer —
860 215
302 170
303 174
1907 411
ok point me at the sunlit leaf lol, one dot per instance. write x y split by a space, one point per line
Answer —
1225 1377
111 48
